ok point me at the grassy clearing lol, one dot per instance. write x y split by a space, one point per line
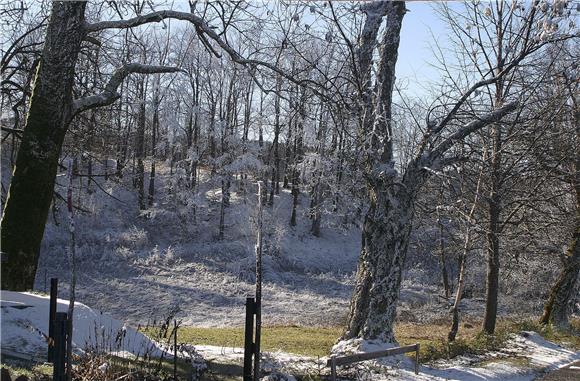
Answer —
308 341
317 341
314 341
27 369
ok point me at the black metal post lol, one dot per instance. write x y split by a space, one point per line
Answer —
174 349
52 316
258 302
249 338
59 354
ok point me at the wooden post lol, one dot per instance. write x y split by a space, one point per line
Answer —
59 354
52 316
175 349
417 358
258 304
333 368
249 338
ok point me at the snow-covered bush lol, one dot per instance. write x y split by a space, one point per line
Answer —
135 237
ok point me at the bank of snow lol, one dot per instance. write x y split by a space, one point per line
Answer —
25 327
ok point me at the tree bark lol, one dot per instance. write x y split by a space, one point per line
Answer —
495 197
49 116
140 150
386 227
557 309
385 238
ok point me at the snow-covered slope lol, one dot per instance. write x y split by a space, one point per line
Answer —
146 265
24 319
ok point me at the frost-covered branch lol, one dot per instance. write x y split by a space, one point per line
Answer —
471 127
110 94
204 31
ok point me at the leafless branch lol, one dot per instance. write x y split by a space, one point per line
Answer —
110 94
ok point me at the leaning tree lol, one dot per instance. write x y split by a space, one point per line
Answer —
393 190
560 159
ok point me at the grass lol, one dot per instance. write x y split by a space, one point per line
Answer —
27 369
307 341
313 341
119 366
470 340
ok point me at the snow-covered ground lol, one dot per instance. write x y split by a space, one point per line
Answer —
24 329
147 265
142 266
25 318
525 357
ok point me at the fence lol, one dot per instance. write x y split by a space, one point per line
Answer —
335 361
58 331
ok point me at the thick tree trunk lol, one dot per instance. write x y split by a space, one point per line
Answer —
387 224
385 239
557 307
32 184
495 197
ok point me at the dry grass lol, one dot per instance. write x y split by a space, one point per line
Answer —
317 341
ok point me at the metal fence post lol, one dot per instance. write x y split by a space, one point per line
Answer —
52 316
333 368
249 338
59 354
417 358
175 349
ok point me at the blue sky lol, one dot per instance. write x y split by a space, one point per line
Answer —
420 25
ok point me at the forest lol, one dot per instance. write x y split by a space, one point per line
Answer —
167 159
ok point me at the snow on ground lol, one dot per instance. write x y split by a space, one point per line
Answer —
142 266
25 326
542 356
25 318
145 265
535 356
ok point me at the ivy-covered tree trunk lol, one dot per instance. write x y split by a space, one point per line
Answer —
385 239
557 308
50 113
387 224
